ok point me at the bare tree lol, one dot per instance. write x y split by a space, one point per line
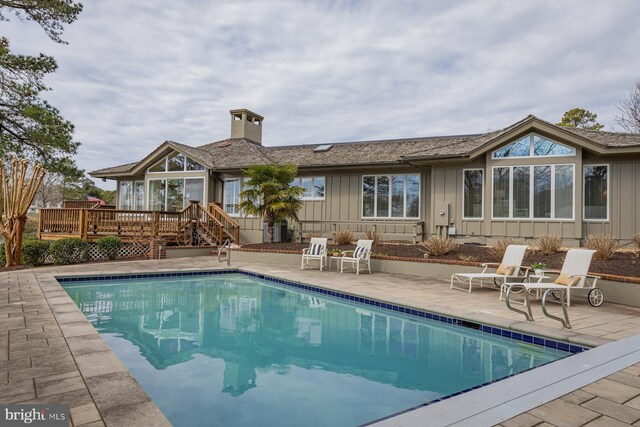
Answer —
629 108
50 192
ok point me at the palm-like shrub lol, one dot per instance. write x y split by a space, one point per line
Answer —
268 194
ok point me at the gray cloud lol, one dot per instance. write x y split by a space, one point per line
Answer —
136 73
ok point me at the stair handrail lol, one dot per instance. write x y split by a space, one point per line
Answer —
232 228
215 220
226 244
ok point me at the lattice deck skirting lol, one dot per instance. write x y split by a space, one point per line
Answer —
129 250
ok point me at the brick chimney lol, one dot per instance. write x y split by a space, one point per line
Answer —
246 124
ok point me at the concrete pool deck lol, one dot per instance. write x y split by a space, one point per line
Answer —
50 353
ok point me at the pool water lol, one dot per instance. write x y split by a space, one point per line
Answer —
234 350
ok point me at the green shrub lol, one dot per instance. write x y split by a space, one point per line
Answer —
109 246
69 251
3 254
34 251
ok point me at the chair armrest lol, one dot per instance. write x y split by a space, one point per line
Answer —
486 265
304 251
490 264
524 270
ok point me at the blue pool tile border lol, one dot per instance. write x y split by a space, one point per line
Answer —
518 336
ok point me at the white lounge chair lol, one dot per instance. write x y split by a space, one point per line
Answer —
361 254
574 275
317 251
509 269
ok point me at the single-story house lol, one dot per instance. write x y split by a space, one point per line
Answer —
529 179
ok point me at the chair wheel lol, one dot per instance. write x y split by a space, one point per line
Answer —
596 297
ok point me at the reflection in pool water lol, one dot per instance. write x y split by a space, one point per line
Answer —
233 350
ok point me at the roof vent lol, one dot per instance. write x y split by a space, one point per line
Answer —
322 148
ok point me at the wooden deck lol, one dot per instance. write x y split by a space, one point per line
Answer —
192 225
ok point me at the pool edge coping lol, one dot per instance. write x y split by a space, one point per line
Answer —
50 279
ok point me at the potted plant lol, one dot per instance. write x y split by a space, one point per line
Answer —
538 268
334 252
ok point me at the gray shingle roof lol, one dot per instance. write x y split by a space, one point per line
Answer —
608 139
238 153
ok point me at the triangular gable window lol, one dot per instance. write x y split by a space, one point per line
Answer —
533 146
176 162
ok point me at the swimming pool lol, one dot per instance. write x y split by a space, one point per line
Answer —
234 349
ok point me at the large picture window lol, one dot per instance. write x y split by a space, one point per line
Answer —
596 192
533 145
391 196
533 192
314 187
473 193
174 194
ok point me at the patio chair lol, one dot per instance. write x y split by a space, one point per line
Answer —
361 254
509 269
574 275
317 250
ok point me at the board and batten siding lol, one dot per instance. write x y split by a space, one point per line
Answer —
447 186
624 200
341 209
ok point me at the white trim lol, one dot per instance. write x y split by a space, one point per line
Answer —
481 217
584 190
375 197
166 193
531 191
531 148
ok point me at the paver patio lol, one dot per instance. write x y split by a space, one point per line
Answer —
50 353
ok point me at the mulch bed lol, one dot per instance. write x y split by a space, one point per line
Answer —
622 264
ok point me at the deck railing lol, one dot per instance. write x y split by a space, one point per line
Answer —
60 221
91 224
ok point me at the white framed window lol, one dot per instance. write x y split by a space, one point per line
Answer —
176 162
314 187
391 196
131 195
232 188
472 193
533 145
173 194
125 195
596 192
540 192
138 195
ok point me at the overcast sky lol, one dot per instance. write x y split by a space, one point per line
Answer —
137 73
